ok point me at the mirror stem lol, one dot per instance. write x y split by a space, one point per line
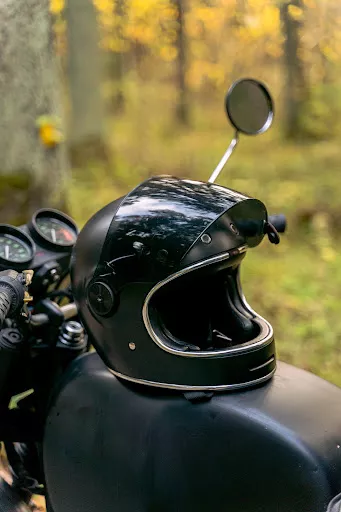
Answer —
225 158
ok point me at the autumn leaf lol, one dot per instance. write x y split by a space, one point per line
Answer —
57 6
295 12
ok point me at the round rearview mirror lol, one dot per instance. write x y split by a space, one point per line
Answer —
249 106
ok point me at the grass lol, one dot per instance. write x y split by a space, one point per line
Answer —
296 285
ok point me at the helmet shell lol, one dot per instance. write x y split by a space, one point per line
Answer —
165 229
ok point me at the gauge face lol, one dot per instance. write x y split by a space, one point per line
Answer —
15 246
55 228
12 249
56 231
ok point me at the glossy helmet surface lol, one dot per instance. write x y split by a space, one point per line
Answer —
155 278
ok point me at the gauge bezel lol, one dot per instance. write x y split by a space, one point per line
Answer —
7 229
44 240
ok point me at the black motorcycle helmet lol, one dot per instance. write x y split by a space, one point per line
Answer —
155 279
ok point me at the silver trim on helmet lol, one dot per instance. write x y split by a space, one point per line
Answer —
180 387
243 299
264 338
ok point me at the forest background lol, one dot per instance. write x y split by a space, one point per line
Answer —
97 96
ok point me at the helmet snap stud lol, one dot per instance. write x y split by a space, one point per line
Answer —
206 239
132 346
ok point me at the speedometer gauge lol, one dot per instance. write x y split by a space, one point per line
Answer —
15 246
54 228
56 231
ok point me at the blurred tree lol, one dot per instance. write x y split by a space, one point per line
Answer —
182 109
33 163
86 65
239 24
296 87
116 61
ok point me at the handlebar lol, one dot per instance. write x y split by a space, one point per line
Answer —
12 293
279 222
6 297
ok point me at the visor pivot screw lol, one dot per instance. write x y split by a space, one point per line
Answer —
206 239
132 346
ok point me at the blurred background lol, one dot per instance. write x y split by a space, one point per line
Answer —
97 96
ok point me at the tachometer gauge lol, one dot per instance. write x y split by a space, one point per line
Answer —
54 228
56 231
16 247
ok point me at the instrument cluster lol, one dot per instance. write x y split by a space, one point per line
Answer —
50 234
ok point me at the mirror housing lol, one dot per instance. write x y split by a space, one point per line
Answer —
249 106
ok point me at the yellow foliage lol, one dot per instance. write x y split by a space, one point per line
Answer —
105 6
201 13
149 22
273 49
254 5
213 18
49 130
270 19
311 4
168 53
115 44
195 74
329 53
169 12
295 12
57 6
201 70
142 33
194 28
328 254
108 22
264 22
242 34
221 35
144 7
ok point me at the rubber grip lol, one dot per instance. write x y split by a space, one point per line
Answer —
6 297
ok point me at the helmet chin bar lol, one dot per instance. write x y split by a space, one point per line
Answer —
264 337
225 158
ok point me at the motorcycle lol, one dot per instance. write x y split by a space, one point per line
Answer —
183 405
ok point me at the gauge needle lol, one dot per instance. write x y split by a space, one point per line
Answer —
53 233
7 252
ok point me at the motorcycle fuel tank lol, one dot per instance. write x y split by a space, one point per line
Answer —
113 446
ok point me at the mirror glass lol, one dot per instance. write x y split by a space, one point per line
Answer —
249 106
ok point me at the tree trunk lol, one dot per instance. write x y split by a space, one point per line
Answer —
86 65
237 22
182 108
32 173
295 88
240 12
116 74
116 65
